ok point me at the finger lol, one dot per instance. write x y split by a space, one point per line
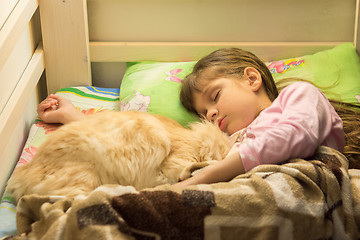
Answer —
55 97
53 107
61 100
49 102
44 105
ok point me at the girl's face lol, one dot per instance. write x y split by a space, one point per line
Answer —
232 104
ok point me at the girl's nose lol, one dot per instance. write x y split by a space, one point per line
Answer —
212 114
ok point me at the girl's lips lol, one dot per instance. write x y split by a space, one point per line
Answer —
221 123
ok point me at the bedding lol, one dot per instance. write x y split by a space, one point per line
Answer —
153 87
88 100
336 71
316 198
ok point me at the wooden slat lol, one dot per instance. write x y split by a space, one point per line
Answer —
66 43
221 21
6 9
19 98
188 51
14 27
357 27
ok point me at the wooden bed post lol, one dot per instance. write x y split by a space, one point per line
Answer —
65 26
357 27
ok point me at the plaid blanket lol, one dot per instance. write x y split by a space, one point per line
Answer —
316 198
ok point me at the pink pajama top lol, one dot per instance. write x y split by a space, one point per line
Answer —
298 121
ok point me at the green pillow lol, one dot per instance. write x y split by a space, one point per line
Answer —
335 71
154 87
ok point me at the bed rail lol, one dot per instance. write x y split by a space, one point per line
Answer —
19 81
66 43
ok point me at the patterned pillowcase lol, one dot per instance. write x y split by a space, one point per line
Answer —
88 100
154 86
336 71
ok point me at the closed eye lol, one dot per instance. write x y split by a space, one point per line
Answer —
217 95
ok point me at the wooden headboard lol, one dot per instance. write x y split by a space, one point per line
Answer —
80 34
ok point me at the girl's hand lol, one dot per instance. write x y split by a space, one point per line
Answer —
181 185
221 171
56 109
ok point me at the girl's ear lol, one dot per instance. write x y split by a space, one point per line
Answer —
253 77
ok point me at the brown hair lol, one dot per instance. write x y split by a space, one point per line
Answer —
226 62
231 62
350 115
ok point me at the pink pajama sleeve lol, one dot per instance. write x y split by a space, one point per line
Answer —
298 121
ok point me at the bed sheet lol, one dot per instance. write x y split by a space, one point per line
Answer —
314 198
88 100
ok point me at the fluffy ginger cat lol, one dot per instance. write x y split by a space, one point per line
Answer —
127 148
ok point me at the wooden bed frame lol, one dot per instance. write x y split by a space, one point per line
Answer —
87 43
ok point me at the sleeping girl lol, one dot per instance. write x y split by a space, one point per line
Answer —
234 89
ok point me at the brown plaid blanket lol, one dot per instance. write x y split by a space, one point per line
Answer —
317 198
